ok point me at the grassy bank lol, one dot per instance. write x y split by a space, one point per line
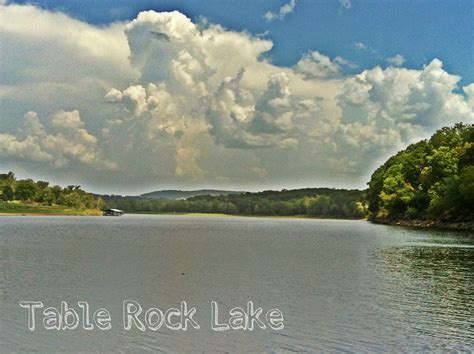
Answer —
244 215
20 208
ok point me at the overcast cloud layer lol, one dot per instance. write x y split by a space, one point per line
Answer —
163 102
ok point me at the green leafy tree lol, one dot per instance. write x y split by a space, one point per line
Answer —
41 192
25 190
8 193
430 179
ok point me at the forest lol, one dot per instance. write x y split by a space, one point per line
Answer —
429 180
26 195
314 202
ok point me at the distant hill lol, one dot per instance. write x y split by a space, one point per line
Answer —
173 194
312 202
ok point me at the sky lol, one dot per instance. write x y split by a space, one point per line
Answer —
131 96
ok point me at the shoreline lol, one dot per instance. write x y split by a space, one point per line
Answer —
421 224
184 214
38 214
47 214
18 208
248 216
66 212
429 224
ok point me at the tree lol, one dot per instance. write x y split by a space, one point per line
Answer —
429 179
466 187
41 192
25 189
8 193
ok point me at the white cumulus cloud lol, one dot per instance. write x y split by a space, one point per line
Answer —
383 110
286 9
314 65
360 46
161 101
397 60
65 142
345 4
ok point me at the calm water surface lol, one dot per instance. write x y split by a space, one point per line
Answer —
341 285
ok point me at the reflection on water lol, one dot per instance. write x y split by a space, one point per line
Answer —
434 290
341 285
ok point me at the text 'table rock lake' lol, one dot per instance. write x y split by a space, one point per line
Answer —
340 285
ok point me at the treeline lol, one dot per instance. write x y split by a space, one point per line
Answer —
40 192
315 202
430 180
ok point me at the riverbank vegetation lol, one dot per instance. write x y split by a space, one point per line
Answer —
432 180
30 197
311 202
19 208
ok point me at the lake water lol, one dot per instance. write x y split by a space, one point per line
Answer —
341 285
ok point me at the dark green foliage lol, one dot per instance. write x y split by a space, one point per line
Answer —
318 202
25 190
8 193
41 192
432 179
